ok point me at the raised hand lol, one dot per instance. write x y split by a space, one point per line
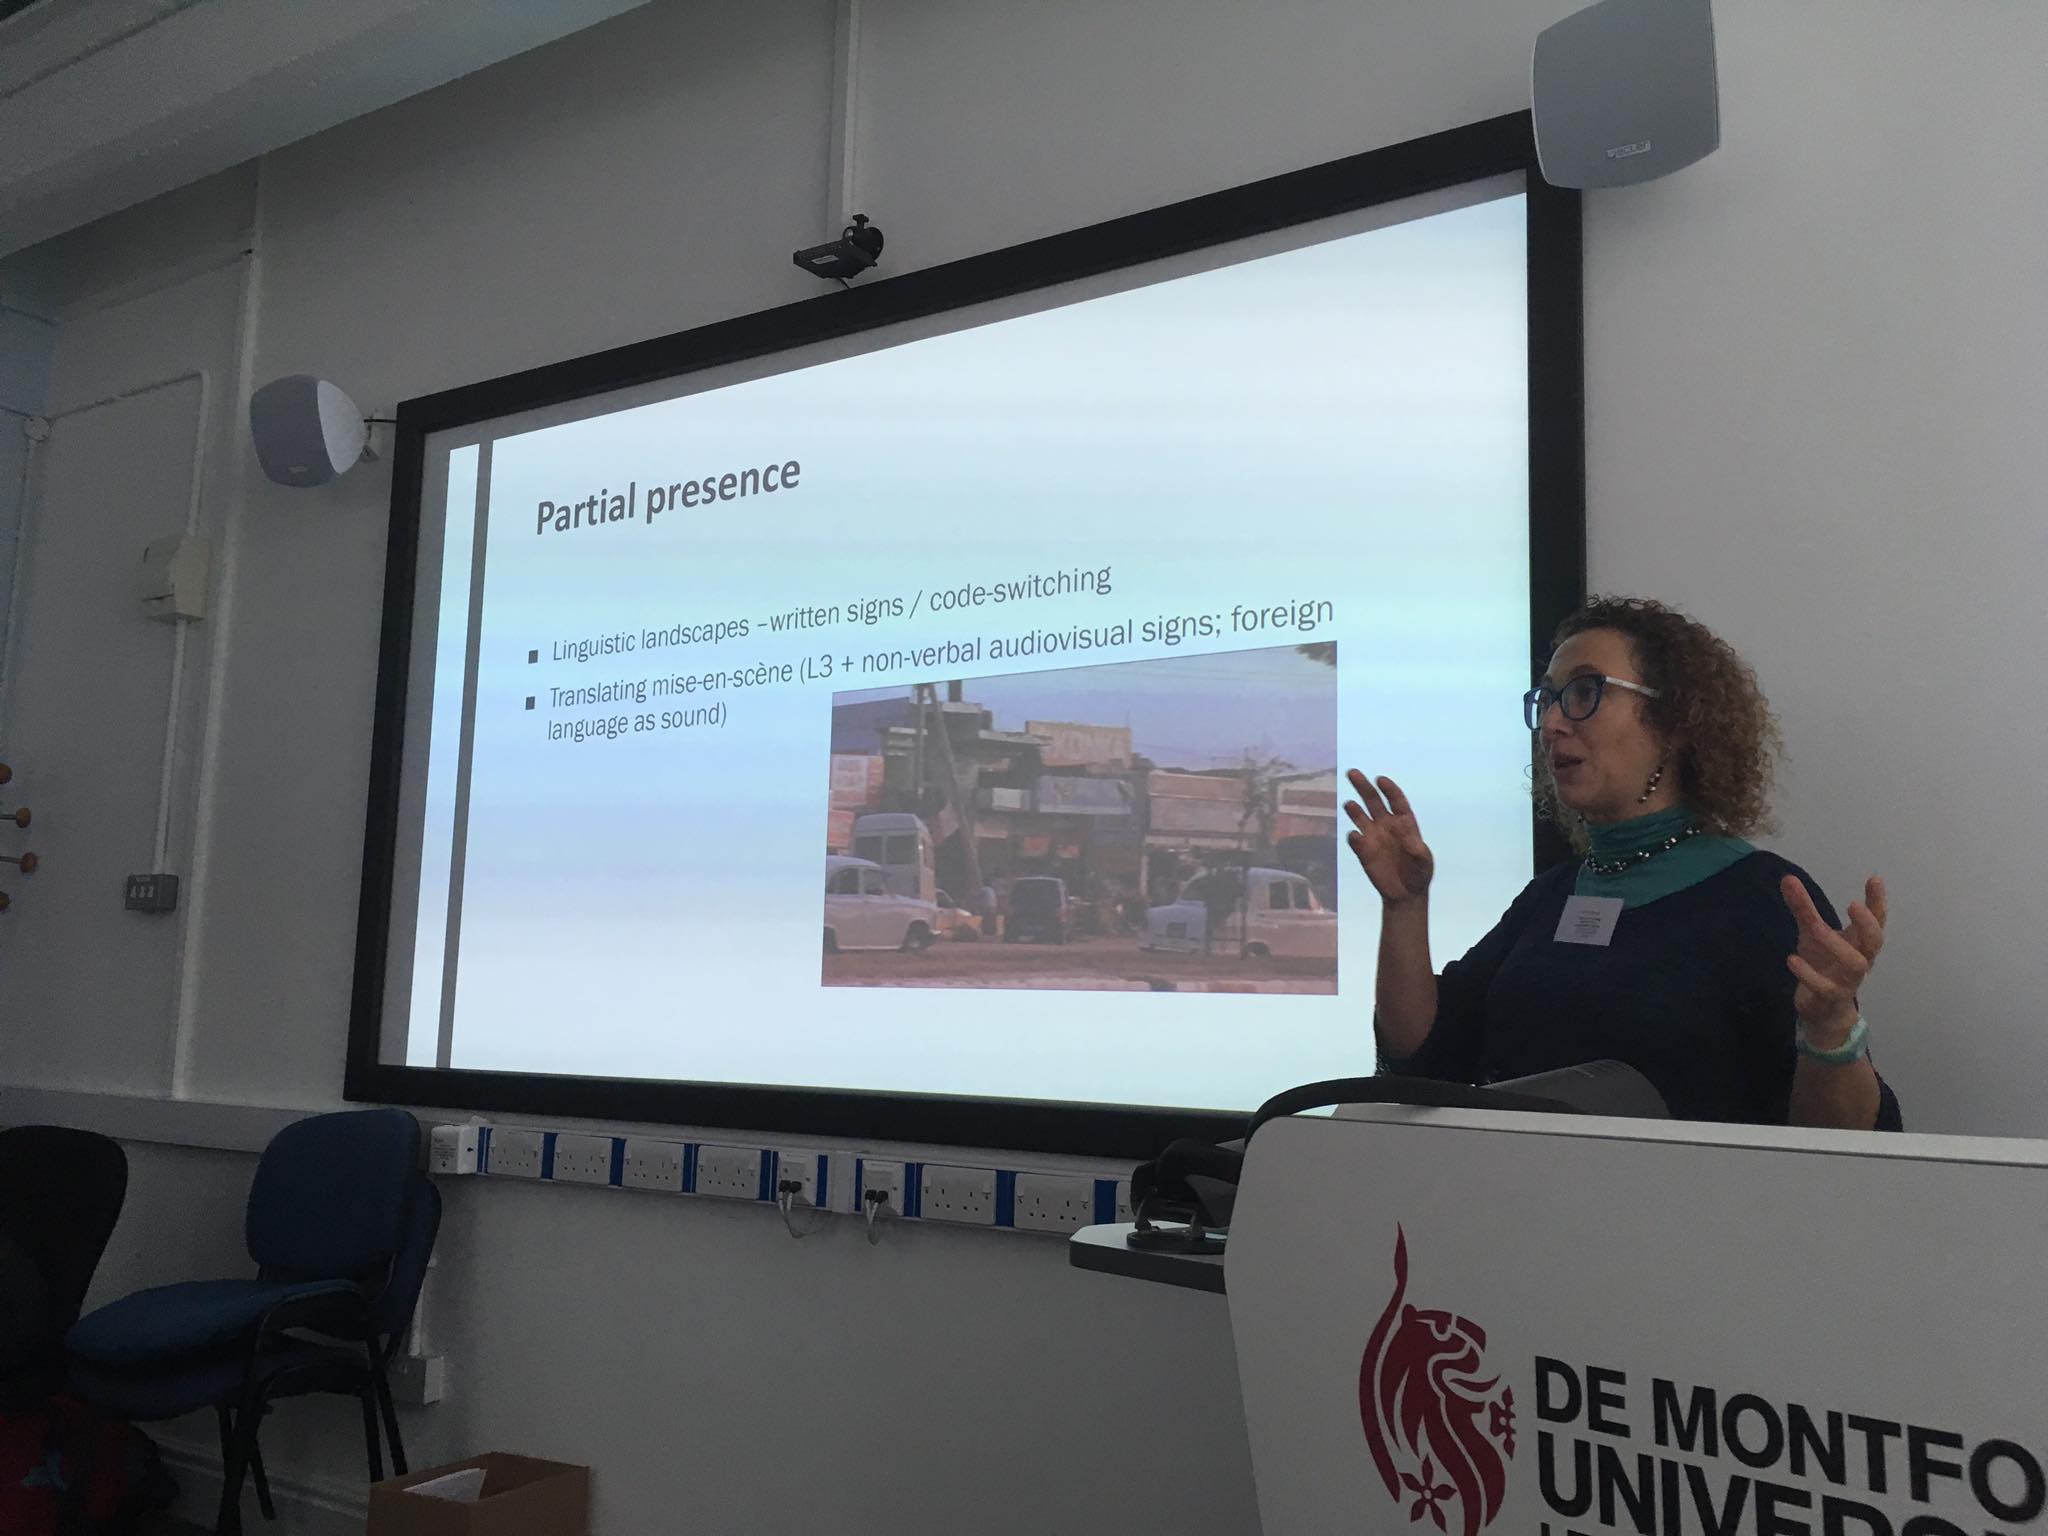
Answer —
1387 841
1831 967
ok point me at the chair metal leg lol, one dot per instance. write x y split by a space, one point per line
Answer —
227 1520
256 1474
376 1454
241 1442
390 1412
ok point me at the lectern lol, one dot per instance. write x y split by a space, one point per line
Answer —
1452 1321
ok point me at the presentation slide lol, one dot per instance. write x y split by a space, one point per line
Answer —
963 709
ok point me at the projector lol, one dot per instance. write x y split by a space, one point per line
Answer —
856 249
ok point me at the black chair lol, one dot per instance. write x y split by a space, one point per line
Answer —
60 1195
341 1223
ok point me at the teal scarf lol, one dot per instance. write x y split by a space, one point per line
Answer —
1694 860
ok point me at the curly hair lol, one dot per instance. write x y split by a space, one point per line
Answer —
1710 695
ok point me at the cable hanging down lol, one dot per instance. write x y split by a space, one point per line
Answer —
786 1191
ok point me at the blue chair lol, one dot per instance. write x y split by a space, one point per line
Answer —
341 1223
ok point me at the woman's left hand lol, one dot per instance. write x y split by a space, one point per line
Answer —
1831 966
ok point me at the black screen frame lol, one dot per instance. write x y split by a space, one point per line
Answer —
1557 580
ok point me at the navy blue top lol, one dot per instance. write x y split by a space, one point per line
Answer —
1692 992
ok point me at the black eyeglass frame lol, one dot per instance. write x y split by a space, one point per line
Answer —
1537 701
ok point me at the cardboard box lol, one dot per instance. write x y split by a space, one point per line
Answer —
521 1496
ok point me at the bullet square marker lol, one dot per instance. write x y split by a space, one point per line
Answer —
529 701
532 656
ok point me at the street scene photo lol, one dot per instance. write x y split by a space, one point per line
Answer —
1167 825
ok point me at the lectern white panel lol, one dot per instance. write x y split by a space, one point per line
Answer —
1462 1323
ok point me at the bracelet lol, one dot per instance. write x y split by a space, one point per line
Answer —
1855 1046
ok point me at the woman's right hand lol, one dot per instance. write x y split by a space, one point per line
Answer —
1387 841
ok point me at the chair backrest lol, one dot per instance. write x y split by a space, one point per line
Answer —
60 1195
391 1313
331 1197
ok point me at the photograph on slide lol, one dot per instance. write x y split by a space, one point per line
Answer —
1167 825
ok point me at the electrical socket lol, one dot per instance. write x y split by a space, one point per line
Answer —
731 1173
1050 1202
1123 1201
516 1153
582 1159
419 1378
841 1193
801 1168
651 1164
957 1194
882 1178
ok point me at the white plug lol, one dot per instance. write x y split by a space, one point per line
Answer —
452 1149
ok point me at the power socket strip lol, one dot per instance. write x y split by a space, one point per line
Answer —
518 1154
582 1159
1051 1202
729 1173
965 1195
800 1169
837 1180
652 1164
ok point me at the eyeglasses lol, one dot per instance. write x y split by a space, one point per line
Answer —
1578 698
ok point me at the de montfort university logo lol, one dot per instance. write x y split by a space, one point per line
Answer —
1441 1434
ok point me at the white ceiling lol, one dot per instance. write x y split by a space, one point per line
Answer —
106 103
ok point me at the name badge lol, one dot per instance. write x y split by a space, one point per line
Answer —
1589 920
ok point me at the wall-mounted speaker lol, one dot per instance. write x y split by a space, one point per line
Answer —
306 430
1625 91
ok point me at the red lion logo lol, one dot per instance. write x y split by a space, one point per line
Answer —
1421 1398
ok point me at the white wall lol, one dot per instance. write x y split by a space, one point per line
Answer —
720 1377
1815 364
102 702
1816 368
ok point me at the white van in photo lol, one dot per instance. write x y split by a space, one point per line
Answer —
900 845
1284 920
